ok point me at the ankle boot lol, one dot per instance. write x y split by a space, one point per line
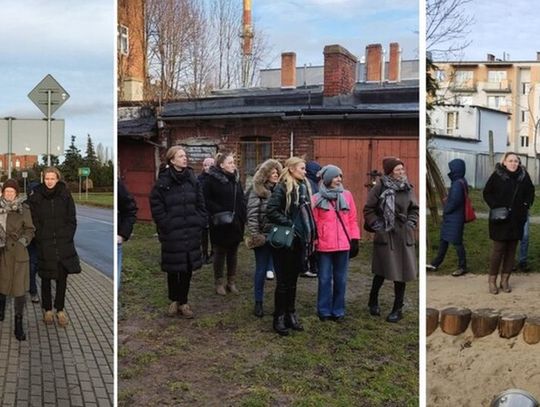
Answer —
492 280
231 285
373 303
504 283
220 288
279 325
19 332
2 307
291 321
258 311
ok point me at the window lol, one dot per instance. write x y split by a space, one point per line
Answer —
525 88
17 163
496 76
254 150
524 141
524 116
123 40
452 123
464 76
497 102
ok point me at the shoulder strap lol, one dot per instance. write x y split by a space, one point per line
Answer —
342 223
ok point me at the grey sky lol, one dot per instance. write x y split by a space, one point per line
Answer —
74 42
306 26
501 26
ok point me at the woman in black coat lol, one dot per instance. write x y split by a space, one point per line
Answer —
453 218
177 206
226 207
508 187
53 213
290 204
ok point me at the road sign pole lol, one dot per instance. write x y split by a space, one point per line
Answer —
10 145
80 186
86 189
49 92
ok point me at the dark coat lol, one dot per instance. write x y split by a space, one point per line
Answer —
127 211
394 256
178 209
498 192
53 213
454 208
14 260
219 195
312 168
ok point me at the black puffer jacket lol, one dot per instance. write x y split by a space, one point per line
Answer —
499 191
219 195
127 211
53 214
177 206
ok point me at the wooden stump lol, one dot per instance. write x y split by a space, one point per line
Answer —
531 331
432 320
484 322
454 321
510 325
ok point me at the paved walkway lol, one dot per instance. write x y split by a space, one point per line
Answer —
56 366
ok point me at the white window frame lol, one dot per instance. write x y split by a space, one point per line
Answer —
452 122
123 39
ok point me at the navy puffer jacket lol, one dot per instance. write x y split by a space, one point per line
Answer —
179 212
454 209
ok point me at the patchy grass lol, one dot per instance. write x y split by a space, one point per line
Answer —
226 356
480 206
477 247
97 199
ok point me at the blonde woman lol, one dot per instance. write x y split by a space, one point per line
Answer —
290 205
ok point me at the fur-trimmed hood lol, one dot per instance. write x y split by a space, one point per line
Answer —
260 179
502 172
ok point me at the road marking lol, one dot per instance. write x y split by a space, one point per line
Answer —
95 220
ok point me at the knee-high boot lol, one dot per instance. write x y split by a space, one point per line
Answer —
19 331
2 307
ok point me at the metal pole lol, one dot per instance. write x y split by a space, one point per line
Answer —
10 145
49 92
79 187
86 188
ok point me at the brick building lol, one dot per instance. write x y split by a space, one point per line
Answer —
18 162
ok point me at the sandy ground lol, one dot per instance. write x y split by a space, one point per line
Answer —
464 371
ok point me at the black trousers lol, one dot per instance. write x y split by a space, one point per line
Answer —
60 294
399 292
288 264
19 303
205 243
178 285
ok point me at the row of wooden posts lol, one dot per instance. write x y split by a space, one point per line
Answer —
484 321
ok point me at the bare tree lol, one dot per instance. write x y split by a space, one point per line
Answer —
447 27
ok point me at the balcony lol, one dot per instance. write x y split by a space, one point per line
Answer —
463 86
503 86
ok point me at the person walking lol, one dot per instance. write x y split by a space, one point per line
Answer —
509 193
226 207
207 250
177 206
290 206
453 223
16 233
54 216
334 212
391 211
258 226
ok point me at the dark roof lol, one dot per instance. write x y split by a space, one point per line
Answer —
145 127
366 98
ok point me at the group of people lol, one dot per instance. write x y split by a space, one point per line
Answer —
509 194
322 227
45 218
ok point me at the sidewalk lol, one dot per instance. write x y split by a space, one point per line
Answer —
57 366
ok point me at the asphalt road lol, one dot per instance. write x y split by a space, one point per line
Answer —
94 238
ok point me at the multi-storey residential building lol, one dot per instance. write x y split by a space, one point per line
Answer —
510 86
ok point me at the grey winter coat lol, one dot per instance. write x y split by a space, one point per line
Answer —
394 255
14 261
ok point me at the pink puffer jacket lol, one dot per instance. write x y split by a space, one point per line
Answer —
331 236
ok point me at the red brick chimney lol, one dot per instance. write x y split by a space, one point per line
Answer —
339 71
373 63
394 63
288 70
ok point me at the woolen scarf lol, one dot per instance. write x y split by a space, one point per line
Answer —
5 207
325 195
387 200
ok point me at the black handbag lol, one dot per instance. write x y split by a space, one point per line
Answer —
225 217
502 214
281 237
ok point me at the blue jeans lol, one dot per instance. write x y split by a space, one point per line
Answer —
263 263
32 253
119 264
333 269
524 244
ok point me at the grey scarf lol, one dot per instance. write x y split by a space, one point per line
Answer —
387 200
325 195
5 207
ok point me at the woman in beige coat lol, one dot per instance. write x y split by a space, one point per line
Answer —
16 232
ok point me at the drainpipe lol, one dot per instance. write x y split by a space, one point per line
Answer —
291 147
